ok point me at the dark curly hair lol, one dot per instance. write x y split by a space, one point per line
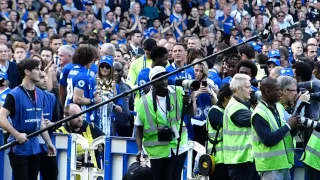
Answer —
248 64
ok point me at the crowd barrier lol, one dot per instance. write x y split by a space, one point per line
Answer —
118 155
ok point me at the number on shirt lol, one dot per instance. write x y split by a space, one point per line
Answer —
69 90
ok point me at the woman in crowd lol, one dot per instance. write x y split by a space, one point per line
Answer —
107 88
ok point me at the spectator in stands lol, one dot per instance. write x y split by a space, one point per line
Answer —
19 51
55 43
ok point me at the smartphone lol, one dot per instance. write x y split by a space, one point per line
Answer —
204 84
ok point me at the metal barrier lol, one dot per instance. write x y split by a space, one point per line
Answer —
118 155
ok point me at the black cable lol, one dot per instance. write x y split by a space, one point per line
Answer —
36 133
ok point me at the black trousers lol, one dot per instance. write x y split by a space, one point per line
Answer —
25 167
243 171
221 171
163 168
48 167
313 174
124 131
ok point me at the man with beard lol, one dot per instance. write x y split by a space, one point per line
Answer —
49 166
78 126
55 43
272 144
161 105
24 105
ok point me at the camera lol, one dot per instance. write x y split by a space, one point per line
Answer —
165 134
192 85
308 122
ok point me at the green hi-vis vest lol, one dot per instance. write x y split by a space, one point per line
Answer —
312 152
237 141
215 135
88 136
152 121
279 156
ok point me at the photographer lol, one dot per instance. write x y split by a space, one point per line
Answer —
288 86
237 140
158 124
272 144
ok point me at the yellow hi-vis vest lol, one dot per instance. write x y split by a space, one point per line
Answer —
237 141
152 121
312 152
215 135
280 156
88 136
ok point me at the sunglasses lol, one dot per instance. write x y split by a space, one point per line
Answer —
280 15
107 66
118 70
143 22
169 34
256 9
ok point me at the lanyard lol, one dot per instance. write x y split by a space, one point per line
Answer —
34 103
144 61
165 111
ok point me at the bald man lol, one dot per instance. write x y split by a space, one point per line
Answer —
79 126
272 144
275 72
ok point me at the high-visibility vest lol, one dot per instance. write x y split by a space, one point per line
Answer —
312 152
215 135
88 136
279 156
152 121
237 141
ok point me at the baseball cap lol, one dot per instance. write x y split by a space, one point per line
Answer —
3 75
107 59
36 39
274 60
287 72
255 46
155 71
89 3
274 53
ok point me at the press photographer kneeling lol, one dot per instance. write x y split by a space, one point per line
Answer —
158 125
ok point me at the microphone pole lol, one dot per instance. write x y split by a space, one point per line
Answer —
36 133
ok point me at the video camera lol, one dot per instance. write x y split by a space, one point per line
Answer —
192 85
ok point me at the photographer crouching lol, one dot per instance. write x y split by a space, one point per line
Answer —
158 126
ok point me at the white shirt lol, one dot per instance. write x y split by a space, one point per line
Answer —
161 105
219 13
238 14
289 19
283 25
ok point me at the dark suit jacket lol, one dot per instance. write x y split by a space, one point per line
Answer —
13 75
131 51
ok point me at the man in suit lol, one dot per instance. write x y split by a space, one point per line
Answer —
135 43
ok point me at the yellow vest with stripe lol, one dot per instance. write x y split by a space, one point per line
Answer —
152 121
237 141
279 156
312 152
88 136
212 134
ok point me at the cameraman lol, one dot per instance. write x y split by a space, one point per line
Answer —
157 127
288 86
272 144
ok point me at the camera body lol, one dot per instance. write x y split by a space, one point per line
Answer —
165 134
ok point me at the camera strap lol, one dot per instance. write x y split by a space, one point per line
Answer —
156 102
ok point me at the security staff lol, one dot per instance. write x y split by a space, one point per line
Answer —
237 146
49 166
272 142
77 125
312 155
158 123
24 105
214 126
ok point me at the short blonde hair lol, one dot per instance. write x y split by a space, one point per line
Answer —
238 81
